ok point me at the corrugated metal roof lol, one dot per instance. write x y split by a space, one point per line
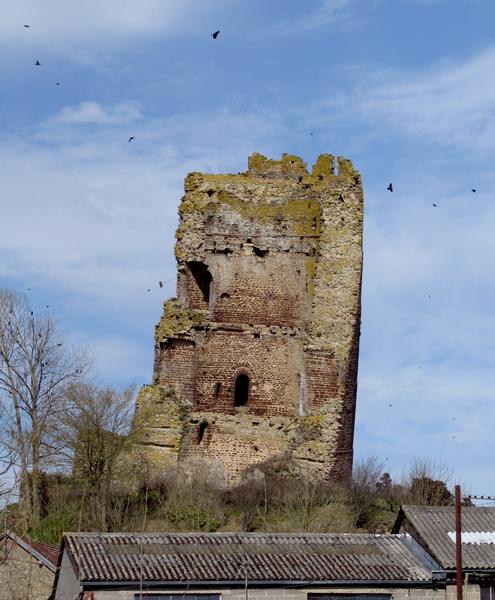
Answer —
474 537
215 557
433 524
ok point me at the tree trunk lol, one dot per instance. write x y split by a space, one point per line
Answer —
35 482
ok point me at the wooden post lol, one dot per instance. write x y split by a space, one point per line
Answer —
458 542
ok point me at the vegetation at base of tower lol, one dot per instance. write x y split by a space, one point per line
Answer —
270 497
74 451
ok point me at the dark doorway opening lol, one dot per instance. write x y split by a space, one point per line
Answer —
241 392
200 284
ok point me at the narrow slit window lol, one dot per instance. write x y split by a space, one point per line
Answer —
241 391
201 431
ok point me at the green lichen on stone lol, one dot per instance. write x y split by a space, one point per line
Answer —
324 167
177 441
303 216
197 202
312 422
154 400
289 166
176 319
192 181
347 171
159 408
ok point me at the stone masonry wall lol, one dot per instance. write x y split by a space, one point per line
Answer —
22 577
257 356
301 593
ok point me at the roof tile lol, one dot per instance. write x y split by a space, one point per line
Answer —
227 557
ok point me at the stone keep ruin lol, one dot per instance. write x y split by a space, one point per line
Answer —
257 356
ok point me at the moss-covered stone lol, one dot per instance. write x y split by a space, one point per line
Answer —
176 320
324 166
347 171
312 421
289 166
302 215
160 419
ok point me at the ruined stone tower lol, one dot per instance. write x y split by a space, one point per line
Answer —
257 356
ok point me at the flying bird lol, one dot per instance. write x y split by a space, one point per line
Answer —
149 290
474 191
26 26
215 35
58 83
435 205
390 187
130 139
37 63
160 283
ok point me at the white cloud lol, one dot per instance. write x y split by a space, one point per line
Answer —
93 112
326 13
451 103
91 219
55 22
98 214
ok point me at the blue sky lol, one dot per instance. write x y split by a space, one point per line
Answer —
405 88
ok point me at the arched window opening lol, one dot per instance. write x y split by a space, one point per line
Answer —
241 391
199 285
201 431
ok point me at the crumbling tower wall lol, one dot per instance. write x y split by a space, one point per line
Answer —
257 356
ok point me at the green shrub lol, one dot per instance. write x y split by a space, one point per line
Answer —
192 517
51 527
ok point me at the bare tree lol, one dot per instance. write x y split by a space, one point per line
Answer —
303 497
94 429
36 367
427 482
366 473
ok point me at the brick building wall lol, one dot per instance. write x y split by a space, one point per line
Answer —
259 351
